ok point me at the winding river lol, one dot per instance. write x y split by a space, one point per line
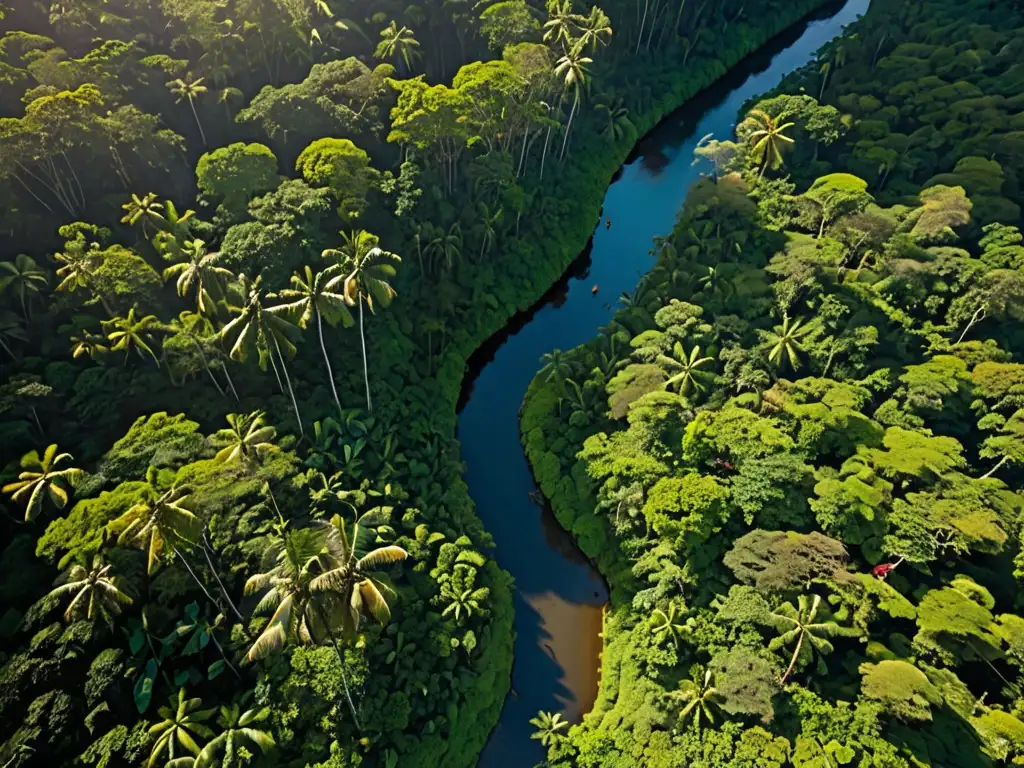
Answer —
559 596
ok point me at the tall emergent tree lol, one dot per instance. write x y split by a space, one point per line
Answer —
366 270
258 328
311 297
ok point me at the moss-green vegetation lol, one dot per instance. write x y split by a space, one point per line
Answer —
796 453
184 338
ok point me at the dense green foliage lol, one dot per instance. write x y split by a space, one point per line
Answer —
796 451
237 513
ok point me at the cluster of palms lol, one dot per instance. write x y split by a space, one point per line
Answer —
184 724
319 582
572 35
265 324
799 628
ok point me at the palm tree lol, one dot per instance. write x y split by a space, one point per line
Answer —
238 732
349 575
183 723
87 345
248 437
834 62
96 594
549 728
256 327
175 229
311 298
467 601
766 138
666 625
557 366
398 43
785 341
191 90
447 246
618 122
131 332
572 68
77 272
295 560
798 625
41 477
561 23
12 330
198 329
146 209
286 586
347 583
366 270
201 273
699 698
488 227
24 278
683 368
596 30
158 522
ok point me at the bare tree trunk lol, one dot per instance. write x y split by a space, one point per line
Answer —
209 562
206 365
193 574
544 154
224 655
277 374
195 114
327 360
979 314
568 127
284 369
362 338
796 653
341 664
679 15
640 34
994 469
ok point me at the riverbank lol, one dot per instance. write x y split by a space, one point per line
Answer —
564 482
545 258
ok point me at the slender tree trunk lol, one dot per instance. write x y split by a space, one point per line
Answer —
640 34
654 23
284 370
193 574
277 374
195 114
327 361
362 338
39 425
231 383
522 154
209 562
979 313
679 15
224 655
796 653
206 365
341 664
568 127
994 469
544 154
81 192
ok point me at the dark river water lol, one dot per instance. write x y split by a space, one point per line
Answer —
559 596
